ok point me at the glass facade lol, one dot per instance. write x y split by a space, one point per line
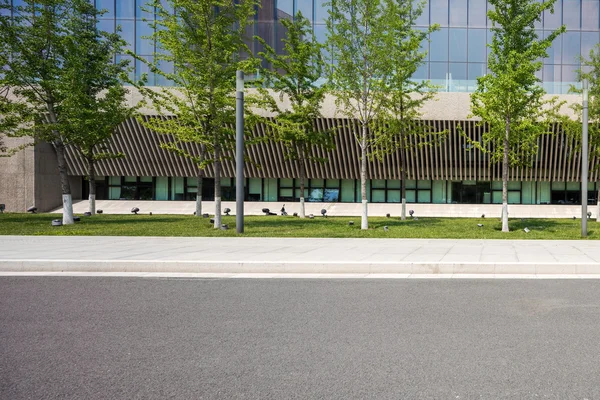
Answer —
457 53
343 190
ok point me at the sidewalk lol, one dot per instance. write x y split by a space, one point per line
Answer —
298 256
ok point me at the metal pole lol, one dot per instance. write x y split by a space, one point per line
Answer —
584 161
239 152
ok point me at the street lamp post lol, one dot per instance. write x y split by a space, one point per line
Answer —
584 161
239 152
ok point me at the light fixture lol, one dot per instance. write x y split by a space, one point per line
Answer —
32 209
99 211
385 229
482 215
224 227
2 208
310 216
350 223
589 214
87 214
295 214
411 212
387 215
56 222
227 211
283 212
526 230
135 210
76 219
205 215
150 213
324 212
480 225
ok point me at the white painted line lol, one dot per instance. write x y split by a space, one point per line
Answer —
163 275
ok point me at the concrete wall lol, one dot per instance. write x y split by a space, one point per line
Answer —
17 177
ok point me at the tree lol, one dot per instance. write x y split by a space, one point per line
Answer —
590 70
96 104
294 74
357 39
509 100
202 41
43 58
404 96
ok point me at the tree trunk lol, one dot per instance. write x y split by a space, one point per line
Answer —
364 223
217 161
199 181
302 174
92 187
64 183
505 179
403 183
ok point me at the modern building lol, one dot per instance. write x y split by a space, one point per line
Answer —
450 173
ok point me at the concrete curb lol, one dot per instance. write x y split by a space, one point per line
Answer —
300 267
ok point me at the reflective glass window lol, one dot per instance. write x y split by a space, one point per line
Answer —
438 48
306 8
458 71
553 20
551 73
108 5
438 71
571 47
554 51
590 11
285 8
168 7
424 46
487 19
127 32
588 41
321 11
423 19
142 4
266 11
572 13
125 9
142 68
106 25
475 70
458 44
144 43
421 72
458 12
167 67
131 63
477 10
439 12
476 47
569 73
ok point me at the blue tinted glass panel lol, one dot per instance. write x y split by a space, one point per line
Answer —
588 41
125 8
553 20
167 67
438 48
321 36
280 34
475 70
127 32
421 72
458 44
321 11
571 47
143 44
554 52
551 73
477 49
458 71
423 19
106 25
142 68
141 5
266 11
131 63
458 12
306 8
285 8
439 12
590 10
167 6
424 47
108 5
438 71
572 13
477 10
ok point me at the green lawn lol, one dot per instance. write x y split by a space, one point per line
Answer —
288 226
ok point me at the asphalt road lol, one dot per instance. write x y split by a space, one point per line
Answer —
121 338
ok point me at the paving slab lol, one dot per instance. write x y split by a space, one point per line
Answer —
298 255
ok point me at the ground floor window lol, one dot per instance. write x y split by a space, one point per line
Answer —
341 190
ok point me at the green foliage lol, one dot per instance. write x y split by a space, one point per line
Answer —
294 75
62 85
202 43
400 118
509 100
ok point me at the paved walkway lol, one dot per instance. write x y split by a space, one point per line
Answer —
293 256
